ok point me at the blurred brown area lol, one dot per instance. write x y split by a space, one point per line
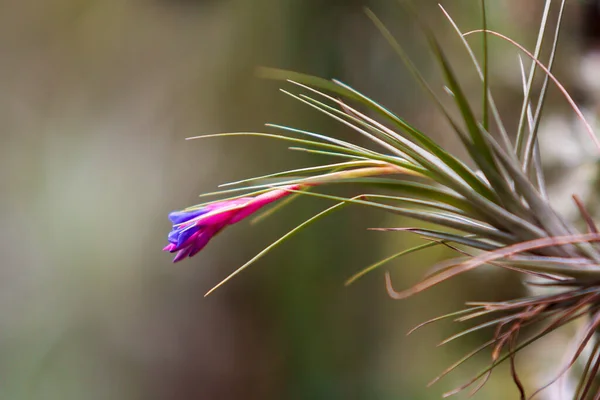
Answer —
96 100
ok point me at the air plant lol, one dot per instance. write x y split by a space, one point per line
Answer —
495 213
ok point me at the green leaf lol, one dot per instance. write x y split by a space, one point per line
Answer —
485 101
286 75
318 168
480 150
476 147
378 264
329 111
483 75
420 203
428 144
545 214
445 237
365 153
277 243
557 83
445 176
443 219
339 146
521 135
531 139
421 80
326 153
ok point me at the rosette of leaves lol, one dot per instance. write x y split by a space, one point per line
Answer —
496 213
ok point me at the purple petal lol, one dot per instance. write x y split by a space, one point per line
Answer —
174 235
195 244
179 217
200 243
192 231
186 233
178 236
188 240
182 254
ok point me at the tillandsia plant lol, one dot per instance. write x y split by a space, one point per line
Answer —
496 213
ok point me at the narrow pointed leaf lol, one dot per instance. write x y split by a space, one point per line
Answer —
378 264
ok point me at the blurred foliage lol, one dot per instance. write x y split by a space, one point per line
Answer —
97 98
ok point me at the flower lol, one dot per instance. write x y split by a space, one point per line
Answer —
193 229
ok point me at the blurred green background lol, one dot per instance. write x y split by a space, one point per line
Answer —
96 99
